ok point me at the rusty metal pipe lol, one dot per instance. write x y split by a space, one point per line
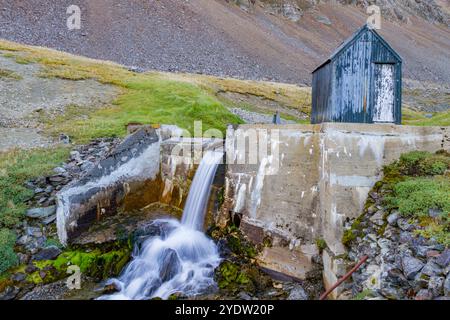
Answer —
345 277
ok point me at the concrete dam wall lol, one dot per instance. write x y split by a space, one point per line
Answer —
316 177
286 186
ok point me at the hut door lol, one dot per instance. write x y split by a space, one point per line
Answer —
384 93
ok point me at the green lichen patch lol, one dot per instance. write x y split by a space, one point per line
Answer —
96 263
234 276
321 244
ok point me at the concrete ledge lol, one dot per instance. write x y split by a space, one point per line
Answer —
104 189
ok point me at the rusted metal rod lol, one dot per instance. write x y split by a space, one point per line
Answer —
345 277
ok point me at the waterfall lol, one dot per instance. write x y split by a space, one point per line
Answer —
180 258
195 208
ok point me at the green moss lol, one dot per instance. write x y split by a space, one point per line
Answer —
35 278
231 275
440 231
352 233
95 263
419 163
221 196
416 184
348 237
240 246
53 242
8 257
321 244
267 242
414 197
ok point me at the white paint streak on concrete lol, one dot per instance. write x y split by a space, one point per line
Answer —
374 144
240 198
353 181
255 199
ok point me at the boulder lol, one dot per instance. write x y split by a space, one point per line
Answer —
170 265
431 268
411 266
297 293
424 294
9 293
447 286
444 259
436 285
392 218
404 225
48 253
41 213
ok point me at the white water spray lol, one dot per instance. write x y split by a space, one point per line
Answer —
180 259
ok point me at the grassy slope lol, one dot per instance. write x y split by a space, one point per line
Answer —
414 118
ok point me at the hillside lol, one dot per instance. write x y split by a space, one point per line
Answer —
280 40
46 95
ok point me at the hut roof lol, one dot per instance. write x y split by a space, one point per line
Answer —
344 45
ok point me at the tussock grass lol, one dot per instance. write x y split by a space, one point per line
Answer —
9 74
288 95
146 98
158 97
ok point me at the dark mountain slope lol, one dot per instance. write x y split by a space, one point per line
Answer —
261 41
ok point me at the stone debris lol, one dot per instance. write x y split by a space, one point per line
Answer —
401 264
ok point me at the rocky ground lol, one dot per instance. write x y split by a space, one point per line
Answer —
256 117
282 40
28 100
37 238
406 260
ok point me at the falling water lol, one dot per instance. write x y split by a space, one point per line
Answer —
180 259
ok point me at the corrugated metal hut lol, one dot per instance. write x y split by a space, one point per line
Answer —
361 82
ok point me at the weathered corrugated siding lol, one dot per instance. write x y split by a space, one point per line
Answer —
343 89
351 82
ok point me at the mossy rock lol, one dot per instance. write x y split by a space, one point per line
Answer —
96 264
232 277
241 246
